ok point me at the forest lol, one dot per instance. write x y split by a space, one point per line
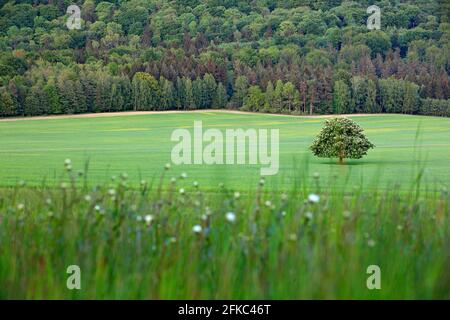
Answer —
275 56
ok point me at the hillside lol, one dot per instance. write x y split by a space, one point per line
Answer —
278 56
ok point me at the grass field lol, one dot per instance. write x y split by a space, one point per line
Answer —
297 235
140 145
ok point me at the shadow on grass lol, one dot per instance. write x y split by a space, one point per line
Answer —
358 163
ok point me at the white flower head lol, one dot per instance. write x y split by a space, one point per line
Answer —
268 203
237 195
97 207
138 218
313 198
182 191
183 175
197 228
167 166
87 198
195 184
148 219
20 206
67 162
111 192
347 214
230 216
309 215
371 243
316 175
173 180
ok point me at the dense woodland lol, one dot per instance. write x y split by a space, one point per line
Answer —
279 56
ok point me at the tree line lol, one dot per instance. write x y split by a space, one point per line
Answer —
289 56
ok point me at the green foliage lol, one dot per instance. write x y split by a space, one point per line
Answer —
136 242
219 50
341 138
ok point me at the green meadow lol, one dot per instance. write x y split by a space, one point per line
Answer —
311 232
34 150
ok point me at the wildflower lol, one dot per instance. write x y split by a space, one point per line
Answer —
230 216
67 162
138 218
97 207
316 175
347 214
87 198
204 217
293 237
63 185
283 213
172 240
237 195
399 227
309 215
69 167
111 192
124 176
148 219
181 191
313 198
173 180
48 201
262 181
284 196
195 184
183 175
197 228
167 166
371 243
268 203
208 211
143 182
20 206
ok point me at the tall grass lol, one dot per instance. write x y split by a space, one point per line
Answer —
313 241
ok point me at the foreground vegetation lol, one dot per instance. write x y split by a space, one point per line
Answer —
304 242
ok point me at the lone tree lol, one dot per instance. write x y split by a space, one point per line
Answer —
341 138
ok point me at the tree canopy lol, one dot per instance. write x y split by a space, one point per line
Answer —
304 56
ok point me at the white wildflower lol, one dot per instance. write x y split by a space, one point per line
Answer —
313 198
230 216
197 228
148 219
